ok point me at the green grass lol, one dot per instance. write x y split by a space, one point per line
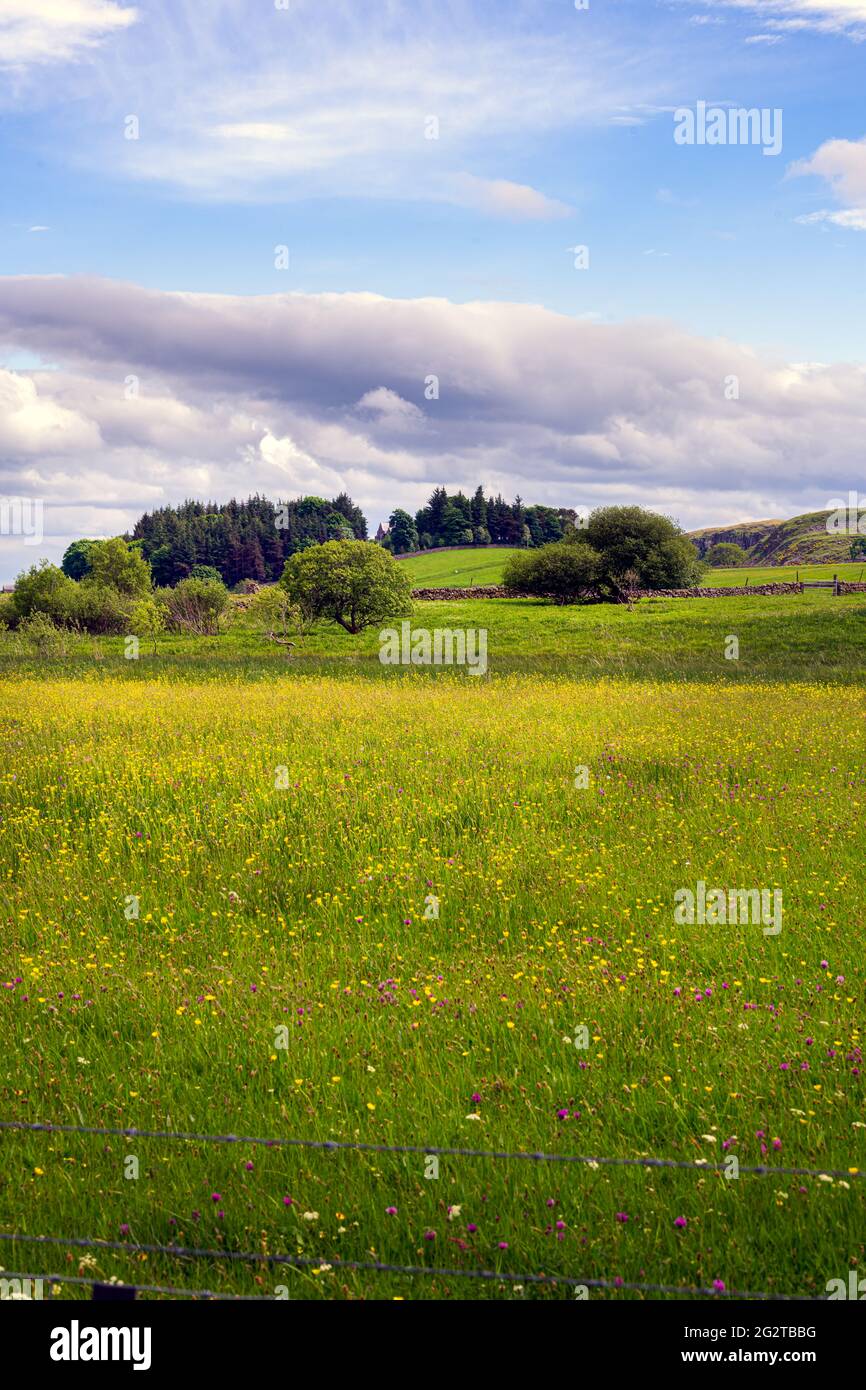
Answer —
853 573
263 905
457 569
445 569
799 637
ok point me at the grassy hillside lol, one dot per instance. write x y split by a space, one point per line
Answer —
803 539
457 569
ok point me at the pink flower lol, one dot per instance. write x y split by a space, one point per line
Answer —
680 1222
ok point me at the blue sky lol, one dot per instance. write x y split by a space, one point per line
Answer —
306 126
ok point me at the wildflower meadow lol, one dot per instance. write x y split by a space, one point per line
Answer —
400 911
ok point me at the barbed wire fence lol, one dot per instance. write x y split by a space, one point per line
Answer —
378 1266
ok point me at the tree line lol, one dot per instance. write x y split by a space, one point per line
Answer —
252 540
241 540
456 519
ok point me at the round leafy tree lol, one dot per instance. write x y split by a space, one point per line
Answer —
640 549
354 583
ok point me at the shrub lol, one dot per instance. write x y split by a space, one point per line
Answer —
93 605
565 572
99 607
208 573
277 617
194 605
45 638
147 619
44 589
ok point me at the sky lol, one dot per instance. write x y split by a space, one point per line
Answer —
284 247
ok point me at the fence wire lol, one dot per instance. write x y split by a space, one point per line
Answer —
334 1145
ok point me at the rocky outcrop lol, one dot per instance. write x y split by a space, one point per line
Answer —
753 536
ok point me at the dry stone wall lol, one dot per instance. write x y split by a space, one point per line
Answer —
499 591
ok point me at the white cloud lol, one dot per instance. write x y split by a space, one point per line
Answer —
822 16
387 404
288 469
299 393
513 200
842 164
319 120
53 31
31 423
852 218
415 101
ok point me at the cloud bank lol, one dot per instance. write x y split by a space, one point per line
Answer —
297 393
